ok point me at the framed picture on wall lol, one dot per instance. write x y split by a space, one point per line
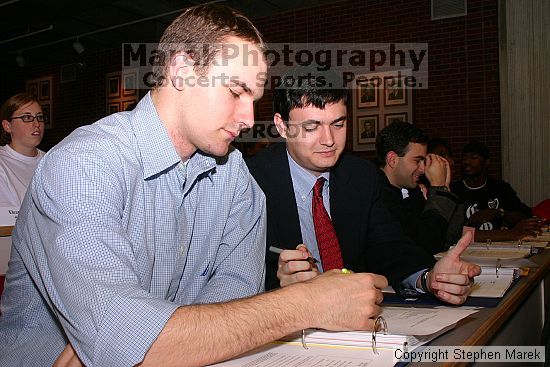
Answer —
44 90
113 86
395 93
32 90
113 107
130 103
129 84
393 117
367 94
379 99
367 129
46 111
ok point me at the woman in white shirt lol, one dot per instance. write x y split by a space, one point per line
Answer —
22 130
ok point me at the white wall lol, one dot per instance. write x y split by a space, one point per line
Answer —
524 37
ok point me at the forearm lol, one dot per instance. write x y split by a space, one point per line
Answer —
511 217
494 235
204 334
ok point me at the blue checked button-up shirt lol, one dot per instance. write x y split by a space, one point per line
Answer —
115 233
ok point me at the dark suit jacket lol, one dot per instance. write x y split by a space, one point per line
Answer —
433 224
370 239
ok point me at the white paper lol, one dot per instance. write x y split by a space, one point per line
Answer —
493 284
354 348
490 286
422 321
543 237
285 355
508 244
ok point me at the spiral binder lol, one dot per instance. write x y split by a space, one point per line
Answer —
409 328
379 321
379 325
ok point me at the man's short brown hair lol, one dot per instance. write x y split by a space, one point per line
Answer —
199 32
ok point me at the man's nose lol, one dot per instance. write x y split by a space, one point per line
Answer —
327 137
245 114
422 167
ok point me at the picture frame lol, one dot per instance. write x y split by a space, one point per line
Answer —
392 117
46 111
129 84
366 128
113 86
44 90
367 93
32 90
113 107
395 93
128 103
381 108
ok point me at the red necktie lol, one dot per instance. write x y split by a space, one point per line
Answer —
329 249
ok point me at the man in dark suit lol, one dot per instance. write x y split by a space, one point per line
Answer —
368 131
432 219
313 123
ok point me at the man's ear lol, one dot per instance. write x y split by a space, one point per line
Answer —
181 66
391 159
6 125
280 125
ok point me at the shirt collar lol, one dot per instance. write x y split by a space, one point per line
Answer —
303 180
157 150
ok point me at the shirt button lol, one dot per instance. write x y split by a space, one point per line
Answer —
182 249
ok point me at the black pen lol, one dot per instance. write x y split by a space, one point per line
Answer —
277 250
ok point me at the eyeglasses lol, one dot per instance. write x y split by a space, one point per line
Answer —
30 118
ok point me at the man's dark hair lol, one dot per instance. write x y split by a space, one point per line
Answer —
302 87
436 142
396 137
476 147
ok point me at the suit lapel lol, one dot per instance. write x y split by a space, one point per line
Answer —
284 203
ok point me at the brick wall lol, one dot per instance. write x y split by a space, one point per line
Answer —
75 103
461 104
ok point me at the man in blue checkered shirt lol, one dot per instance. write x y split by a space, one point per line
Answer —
142 236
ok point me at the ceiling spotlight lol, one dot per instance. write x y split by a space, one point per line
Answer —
20 60
78 47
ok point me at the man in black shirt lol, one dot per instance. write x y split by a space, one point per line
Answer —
492 206
402 158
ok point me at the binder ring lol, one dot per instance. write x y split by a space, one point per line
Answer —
378 321
304 343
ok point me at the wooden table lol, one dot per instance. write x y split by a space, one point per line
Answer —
6 231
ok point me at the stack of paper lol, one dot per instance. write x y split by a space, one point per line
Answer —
414 326
497 254
408 327
492 283
543 237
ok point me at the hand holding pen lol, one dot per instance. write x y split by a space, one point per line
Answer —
295 265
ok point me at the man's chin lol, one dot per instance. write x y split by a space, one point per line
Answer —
217 151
